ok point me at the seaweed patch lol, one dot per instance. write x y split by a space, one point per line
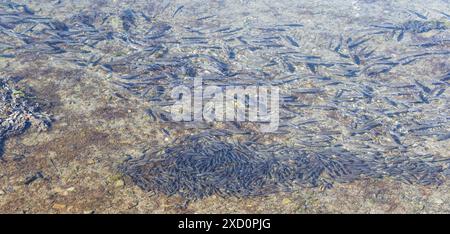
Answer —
18 112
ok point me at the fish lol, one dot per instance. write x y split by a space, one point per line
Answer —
353 44
292 41
31 179
423 87
7 56
128 19
158 30
179 9
312 67
418 15
205 17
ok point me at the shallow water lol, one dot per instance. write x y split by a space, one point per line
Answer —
363 99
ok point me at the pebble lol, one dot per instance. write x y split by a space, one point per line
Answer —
119 184
62 191
286 201
71 189
438 201
58 190
58 206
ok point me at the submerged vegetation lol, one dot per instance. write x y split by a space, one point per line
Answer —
18 112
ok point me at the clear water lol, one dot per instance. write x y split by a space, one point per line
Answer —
363 92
